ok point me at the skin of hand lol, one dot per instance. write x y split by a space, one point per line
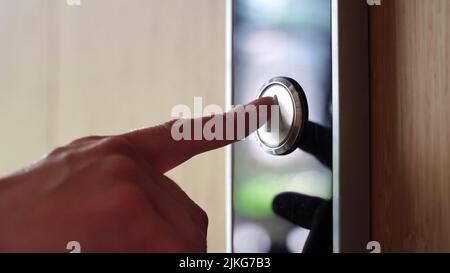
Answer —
109 194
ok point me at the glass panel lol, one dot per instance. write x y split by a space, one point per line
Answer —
289 38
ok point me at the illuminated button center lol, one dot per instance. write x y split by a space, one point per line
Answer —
277 130
282 133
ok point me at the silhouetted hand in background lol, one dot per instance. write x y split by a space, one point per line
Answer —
309 212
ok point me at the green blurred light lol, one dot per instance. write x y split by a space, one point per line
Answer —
253 198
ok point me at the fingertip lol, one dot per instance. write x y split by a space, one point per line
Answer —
267 101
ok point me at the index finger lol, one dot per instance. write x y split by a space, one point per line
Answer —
163 149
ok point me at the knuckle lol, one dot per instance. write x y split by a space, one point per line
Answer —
117 160
65 155
122 166
59 152
116 145
85 140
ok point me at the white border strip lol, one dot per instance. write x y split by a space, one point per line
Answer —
228 151
335 95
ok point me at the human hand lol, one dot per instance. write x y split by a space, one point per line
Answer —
108 193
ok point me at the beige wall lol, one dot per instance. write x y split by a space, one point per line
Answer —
107 67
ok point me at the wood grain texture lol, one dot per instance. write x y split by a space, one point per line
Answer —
410 125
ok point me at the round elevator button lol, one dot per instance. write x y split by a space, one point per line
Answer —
281 134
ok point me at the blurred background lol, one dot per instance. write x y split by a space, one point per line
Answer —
109 66
289 38
106 67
